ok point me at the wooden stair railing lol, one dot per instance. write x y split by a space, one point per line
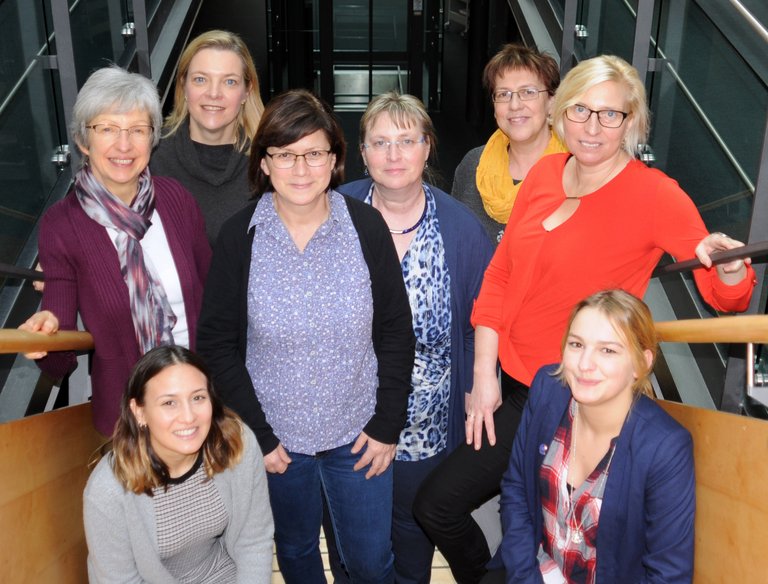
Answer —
16 341
44 460
731 457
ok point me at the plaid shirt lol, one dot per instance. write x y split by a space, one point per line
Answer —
568 549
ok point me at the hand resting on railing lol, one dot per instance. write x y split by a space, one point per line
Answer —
44 322
731 273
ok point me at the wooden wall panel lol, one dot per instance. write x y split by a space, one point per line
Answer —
731 456
44 470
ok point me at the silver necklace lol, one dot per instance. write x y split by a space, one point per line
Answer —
407 229
575 533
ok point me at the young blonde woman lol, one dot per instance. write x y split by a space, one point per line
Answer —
207 136
180 494
600 486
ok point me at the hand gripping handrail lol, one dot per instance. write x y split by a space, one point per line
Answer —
753 250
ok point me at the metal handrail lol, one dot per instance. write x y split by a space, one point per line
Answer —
10 271
753 250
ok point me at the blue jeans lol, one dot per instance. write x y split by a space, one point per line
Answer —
360 512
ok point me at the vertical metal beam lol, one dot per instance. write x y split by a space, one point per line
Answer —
65 65
569 36
370 50
142 38
643 23
735 373
417 52
326 48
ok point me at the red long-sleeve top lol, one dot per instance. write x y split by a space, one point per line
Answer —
614 240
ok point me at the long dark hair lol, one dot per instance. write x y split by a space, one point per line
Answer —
134 462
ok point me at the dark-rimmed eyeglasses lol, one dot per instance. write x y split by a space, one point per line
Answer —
288 159
524 94
607 118
139 133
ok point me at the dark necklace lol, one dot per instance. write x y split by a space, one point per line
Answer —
414 227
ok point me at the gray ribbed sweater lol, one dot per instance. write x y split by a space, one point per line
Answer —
217 176
122 536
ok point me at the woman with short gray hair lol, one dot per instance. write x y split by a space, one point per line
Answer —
125 250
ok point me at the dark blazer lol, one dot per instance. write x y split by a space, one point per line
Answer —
645 532
223 328
82 274
467 253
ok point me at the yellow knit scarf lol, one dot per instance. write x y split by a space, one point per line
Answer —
493 180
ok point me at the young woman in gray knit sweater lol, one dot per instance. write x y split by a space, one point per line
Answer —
207 137
180 494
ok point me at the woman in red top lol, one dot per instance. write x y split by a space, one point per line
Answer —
590 220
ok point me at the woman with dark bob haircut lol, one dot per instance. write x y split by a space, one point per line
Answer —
307 329
521 82
180 492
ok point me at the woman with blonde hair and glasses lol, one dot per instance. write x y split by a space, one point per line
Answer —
443 253
594 219
125 250
207 137
600 485
180 492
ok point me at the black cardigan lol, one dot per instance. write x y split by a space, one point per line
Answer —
223 325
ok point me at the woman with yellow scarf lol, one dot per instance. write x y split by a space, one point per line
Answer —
522 83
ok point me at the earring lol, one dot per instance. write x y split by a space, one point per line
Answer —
426 164
365 170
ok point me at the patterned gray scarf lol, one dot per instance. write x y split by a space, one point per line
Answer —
153 318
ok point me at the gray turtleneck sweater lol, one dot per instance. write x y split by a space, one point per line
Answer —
217 176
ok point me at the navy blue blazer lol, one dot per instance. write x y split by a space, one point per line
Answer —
645 532
467 253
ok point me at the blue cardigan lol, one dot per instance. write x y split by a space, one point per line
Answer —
645 532
467 251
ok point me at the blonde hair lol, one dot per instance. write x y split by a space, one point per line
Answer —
591 72
632 320
134 462
250 113
404 110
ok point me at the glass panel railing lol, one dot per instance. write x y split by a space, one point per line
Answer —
97 38
605 26
709 110
757 9
29 128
